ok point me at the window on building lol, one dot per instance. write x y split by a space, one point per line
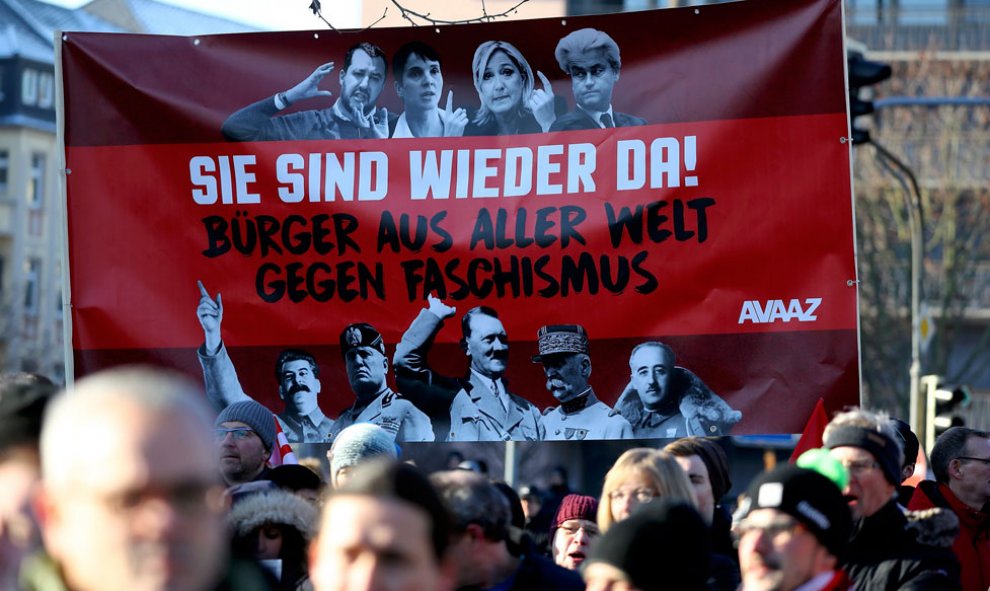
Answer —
46 90
36 184
32 285
4 169
29 87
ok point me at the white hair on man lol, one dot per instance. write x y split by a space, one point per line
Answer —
130 495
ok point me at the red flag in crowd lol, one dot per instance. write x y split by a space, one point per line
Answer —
281 453
811 438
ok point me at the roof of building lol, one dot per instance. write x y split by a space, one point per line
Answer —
28 26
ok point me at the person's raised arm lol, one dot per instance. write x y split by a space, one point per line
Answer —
219 375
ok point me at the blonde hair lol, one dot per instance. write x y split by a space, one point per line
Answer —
656 466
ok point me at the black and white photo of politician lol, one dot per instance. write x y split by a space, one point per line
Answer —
418 77
591 58
299 385
352 116
510 103
666 401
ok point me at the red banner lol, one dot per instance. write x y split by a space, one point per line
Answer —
715 216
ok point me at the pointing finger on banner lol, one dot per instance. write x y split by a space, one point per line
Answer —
541 103
449 109
545 82
202 289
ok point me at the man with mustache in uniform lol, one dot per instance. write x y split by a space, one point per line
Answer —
477 407
567 366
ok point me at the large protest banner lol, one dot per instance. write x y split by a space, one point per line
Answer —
712 211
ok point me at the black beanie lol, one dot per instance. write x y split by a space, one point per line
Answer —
807 496
886 451
664 544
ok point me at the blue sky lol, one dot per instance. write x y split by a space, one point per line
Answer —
269 14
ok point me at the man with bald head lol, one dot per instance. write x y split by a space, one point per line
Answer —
130 496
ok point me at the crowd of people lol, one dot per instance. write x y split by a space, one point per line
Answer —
130 481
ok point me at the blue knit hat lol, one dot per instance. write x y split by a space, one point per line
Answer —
252 414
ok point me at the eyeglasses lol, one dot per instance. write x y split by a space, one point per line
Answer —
858 467
596 71
984 460
188 498
572 529
238 433
643 495
772 529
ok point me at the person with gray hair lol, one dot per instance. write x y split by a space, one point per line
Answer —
130 496
356 444
510 102
960 461
888 549
591 58
480 543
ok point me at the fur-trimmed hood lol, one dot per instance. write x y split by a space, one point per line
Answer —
705 412
933 527
275 507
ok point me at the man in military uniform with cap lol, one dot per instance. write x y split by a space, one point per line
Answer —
299 383
364 355
477 407
563 351
665 401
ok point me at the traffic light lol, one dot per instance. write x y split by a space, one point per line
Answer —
862 74
942 405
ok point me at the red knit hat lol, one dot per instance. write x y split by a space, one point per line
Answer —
574 507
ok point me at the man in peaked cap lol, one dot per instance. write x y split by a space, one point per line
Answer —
563 351
298 375
367 366
795 523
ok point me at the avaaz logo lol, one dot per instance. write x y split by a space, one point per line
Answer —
771 311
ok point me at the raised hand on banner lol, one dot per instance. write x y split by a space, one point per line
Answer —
377 124
440 309
210 314
310 87
541 103
454 120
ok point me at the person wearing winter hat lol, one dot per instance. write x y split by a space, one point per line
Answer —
663 546
794 523
574 530
275 528
356 444
707 468
888 549
245 434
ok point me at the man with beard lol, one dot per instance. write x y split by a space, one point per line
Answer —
245 435
666 401
563 351
364 355
352 116
477 407
591 58
296 371
130 497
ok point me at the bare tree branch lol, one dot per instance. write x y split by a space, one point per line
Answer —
417 19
